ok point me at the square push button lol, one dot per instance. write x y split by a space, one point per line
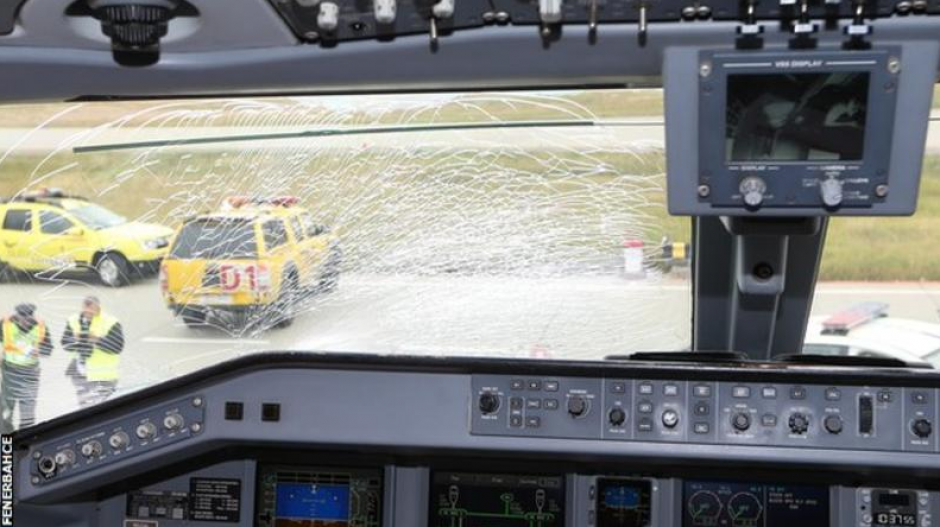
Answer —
701 428
768 392
703 390
918 397
618 387
646 388
833 394
516 384
271 412
551 386
670 390
234 411
797 393
741 392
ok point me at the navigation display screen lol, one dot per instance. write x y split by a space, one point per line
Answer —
319 497
727 504
796 117
496 500
623 502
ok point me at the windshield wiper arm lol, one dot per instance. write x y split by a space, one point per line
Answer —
371 130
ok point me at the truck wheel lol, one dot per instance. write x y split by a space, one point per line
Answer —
193 317
282 312
113 270
329 280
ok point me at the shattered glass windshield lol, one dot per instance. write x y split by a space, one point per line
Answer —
149 239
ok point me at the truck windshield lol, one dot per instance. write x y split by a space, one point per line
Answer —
216 240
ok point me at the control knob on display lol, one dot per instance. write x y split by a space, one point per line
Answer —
670 418
577 406
741 421
833 424
489 402
752 190
118 440
617 416
831 191
922 428
799 424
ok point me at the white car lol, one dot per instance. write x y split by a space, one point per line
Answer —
866 330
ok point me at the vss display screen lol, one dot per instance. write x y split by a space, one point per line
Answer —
796 117
496 500
623 502
728 504
319 497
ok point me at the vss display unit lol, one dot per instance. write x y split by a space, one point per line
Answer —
796 133
291 496
731 504
623 502
496 500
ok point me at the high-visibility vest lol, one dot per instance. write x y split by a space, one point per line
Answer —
101 365
21 348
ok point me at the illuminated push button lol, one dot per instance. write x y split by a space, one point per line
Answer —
146 431
118 440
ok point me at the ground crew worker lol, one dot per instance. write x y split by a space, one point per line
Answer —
96 339
25 339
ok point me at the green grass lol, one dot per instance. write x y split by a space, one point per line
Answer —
361 193
889 248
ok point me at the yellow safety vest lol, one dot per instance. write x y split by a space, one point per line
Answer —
101 365
22 348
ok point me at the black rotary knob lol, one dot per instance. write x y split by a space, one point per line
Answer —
741 421
799 424
833 424
577 406
489 402
617 416
922 428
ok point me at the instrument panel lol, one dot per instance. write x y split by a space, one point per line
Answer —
331 440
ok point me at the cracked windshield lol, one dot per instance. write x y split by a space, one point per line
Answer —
140 241
145 240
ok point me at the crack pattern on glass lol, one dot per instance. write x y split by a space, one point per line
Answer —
443 237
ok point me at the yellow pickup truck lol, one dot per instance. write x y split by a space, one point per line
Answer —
255 259
51 231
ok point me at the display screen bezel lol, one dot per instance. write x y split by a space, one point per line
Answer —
823 490
266 467
798 180
562 489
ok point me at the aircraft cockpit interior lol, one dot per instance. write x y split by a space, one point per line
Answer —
469 263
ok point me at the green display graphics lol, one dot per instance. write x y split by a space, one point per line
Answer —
319 497
496 500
